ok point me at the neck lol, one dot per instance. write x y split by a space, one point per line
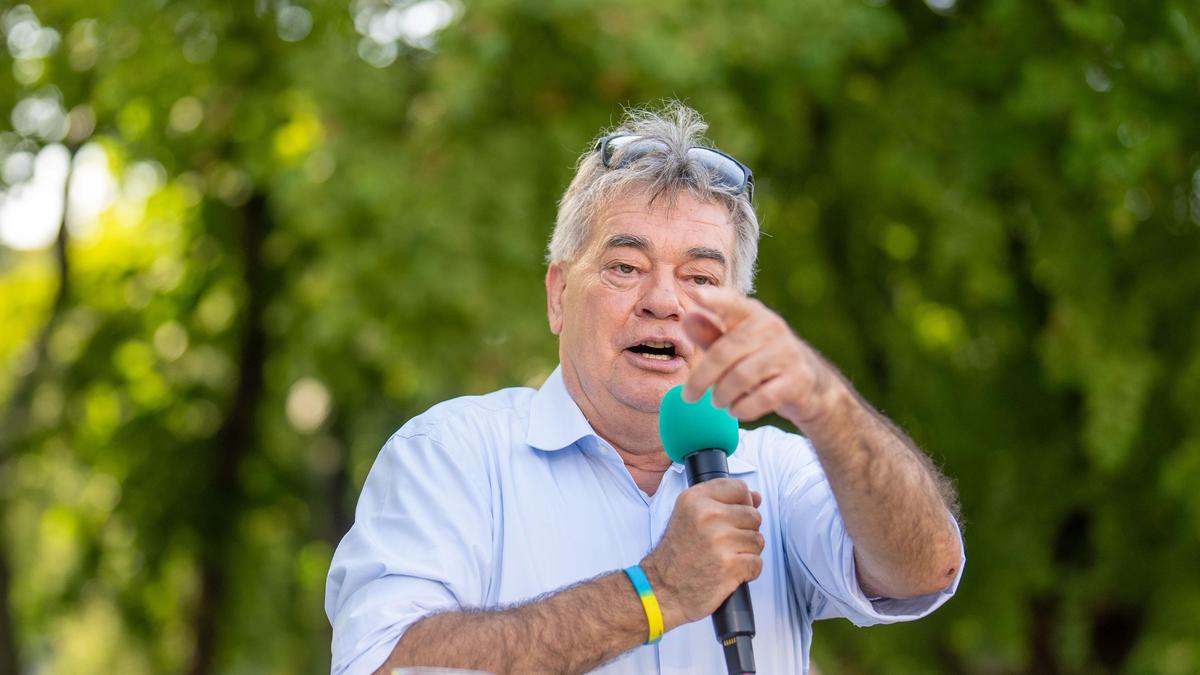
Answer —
632 433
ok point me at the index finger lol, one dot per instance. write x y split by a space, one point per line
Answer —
727 491
729 305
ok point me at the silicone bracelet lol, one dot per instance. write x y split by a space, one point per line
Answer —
649 602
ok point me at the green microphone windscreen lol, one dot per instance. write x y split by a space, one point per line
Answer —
688 427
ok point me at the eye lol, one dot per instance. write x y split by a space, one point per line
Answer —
703 281
624 268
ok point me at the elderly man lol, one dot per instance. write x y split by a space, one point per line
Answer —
519 531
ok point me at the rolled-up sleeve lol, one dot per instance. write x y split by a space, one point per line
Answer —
421 542
821 553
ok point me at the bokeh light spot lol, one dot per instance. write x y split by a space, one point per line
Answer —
308 404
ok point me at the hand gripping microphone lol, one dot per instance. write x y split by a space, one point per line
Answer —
700 436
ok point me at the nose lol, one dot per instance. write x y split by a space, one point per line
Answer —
661 297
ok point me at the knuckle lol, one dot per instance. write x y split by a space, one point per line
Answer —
738 491
728 491
751 404
735 342
770 399
750 515
719 395
719 485
733 541
707 513
738 379
739 486
766 402
684 500
719 351
744 406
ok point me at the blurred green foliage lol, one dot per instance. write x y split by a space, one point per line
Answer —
325 217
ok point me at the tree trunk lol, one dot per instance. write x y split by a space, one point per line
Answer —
234 440
9 659
16 415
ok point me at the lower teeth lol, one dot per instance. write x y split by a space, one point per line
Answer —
660 357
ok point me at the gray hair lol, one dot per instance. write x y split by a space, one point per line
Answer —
665 174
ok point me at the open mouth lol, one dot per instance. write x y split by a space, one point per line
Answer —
660 351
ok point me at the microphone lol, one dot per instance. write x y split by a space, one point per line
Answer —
700 436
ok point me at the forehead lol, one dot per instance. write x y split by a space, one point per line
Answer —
669 225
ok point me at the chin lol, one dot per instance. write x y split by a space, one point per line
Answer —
645 395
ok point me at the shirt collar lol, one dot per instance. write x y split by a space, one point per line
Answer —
556 422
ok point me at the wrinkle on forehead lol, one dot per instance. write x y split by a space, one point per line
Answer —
694 212
677 211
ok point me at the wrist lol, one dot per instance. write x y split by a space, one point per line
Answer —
835 409
649 601
672 616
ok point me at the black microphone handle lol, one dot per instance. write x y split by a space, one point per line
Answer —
734 619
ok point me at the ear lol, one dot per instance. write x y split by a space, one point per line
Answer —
556 286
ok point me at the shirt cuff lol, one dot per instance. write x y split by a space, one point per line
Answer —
366 662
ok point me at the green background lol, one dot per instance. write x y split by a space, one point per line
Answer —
326 220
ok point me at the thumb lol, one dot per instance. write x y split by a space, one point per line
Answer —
701 328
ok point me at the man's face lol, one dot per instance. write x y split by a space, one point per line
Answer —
618 308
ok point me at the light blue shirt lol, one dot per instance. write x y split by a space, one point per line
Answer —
483 501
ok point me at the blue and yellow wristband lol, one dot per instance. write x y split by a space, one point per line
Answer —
649 602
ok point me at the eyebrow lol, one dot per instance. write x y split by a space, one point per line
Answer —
630 240
705 253
642 244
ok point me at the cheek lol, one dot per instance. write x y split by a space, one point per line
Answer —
600 315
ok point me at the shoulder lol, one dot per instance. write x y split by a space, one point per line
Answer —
467 422
777 452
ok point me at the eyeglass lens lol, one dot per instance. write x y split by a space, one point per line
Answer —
727 172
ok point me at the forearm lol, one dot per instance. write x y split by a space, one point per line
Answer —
890 495
570 631
892 498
